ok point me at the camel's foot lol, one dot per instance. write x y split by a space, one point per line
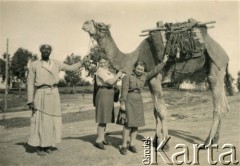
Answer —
166 148
156 143
209 141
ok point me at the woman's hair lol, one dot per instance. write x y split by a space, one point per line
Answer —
141 63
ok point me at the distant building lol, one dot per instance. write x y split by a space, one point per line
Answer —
193 86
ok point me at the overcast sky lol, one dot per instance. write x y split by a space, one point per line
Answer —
28 24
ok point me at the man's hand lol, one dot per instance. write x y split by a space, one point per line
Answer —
86 58
31 106
85 62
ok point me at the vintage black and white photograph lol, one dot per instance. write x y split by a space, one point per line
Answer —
101 83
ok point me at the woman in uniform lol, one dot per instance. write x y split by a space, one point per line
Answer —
131 101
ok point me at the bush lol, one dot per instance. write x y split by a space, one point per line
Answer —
62 83
84 83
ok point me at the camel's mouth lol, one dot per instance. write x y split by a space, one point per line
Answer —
89 30
85 28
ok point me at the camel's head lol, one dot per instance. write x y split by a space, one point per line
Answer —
95 29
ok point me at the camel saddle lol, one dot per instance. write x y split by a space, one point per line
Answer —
187 46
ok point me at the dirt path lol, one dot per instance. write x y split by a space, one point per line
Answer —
188 124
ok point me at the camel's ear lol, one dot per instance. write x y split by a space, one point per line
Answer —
101 25
108 26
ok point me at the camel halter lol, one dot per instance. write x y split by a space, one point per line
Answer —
99 31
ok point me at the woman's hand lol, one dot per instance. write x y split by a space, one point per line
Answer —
120 74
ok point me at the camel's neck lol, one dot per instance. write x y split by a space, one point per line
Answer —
109 46
118 60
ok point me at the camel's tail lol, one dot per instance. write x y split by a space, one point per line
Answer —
228 82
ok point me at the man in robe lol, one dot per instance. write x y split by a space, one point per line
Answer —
44 100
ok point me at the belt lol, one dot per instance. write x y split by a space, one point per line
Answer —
134 91
46 86
105 87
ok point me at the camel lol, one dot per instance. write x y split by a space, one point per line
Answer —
214 59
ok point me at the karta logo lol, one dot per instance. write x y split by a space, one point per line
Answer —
152 153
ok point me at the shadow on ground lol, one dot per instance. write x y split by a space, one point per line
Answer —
15 122
67 118
28 148
113 137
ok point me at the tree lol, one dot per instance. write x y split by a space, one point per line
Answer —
238 81
228 80
2 69
95 53
3 66
19 64
72 78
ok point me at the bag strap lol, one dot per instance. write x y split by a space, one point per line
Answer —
95 88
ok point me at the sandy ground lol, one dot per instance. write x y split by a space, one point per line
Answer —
188 124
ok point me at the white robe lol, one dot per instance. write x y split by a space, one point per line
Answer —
46 122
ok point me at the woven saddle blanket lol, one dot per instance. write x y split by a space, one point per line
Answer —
187 45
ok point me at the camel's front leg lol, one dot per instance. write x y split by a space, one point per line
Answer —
160 111
216 80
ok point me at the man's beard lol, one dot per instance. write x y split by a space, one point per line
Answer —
45 57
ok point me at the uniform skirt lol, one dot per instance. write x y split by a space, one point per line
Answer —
105 106
46 122
134 110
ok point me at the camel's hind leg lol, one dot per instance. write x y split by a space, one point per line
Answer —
220 103
160 111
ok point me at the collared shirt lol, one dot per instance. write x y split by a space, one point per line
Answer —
132 81
103 75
